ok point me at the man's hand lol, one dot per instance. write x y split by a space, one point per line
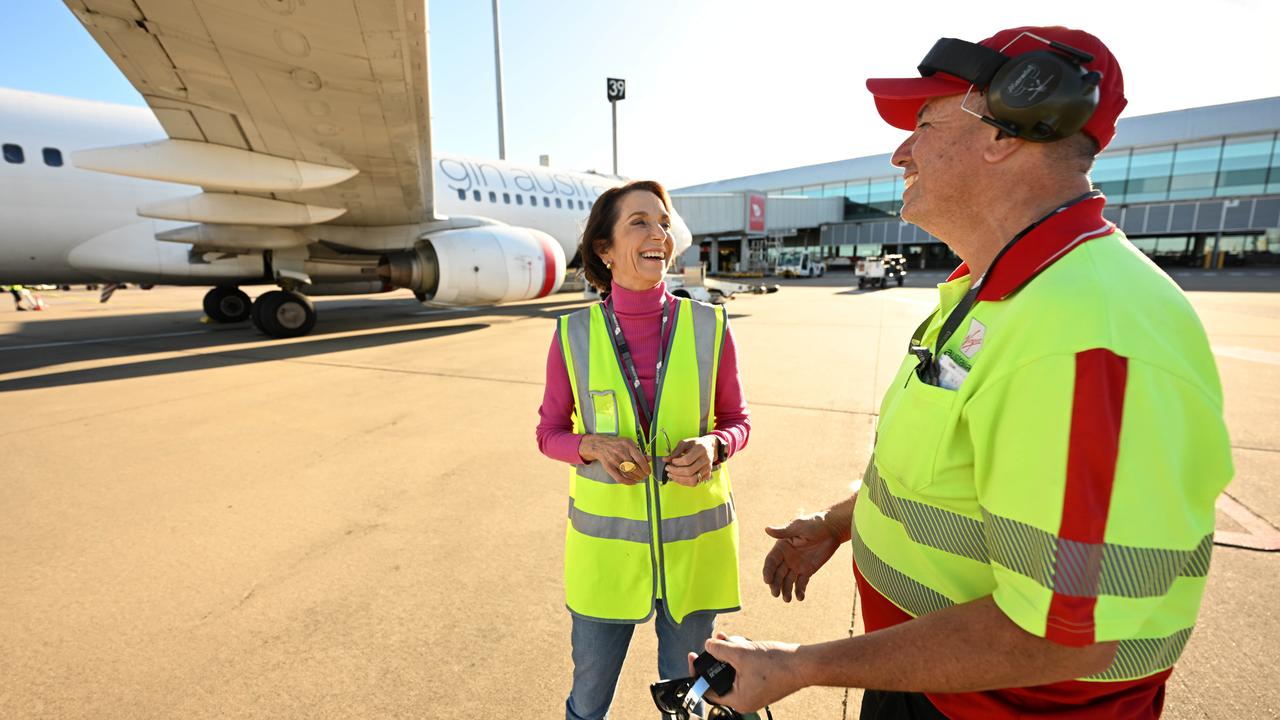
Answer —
763 671
690 460
802 547
612 452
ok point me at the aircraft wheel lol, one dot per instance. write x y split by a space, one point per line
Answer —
284 314
227 305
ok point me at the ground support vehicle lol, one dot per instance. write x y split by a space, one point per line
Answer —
880 271
800 264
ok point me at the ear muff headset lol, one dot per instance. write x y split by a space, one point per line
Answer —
1041 96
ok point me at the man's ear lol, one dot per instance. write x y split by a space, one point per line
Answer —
1002 147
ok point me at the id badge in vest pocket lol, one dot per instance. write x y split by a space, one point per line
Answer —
911 430
605 405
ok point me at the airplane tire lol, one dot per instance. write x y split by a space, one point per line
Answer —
227 305
284 314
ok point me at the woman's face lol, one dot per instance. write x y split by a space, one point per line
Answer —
642 241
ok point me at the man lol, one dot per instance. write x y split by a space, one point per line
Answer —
16 291
1032 535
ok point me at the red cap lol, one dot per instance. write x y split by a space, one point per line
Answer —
899 99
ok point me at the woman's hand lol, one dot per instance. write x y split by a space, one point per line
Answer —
612 452
690 460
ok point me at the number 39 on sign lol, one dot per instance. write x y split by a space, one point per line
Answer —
617 88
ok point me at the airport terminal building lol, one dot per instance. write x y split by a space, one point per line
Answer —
1196 188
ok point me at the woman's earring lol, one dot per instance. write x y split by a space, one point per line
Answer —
608 264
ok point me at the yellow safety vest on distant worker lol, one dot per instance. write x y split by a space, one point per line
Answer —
628 545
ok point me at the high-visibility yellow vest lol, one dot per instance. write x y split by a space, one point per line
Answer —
627 545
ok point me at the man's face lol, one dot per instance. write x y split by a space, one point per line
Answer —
942 163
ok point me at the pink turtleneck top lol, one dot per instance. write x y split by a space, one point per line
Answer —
640 315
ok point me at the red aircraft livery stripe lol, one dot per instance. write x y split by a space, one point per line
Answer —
549 261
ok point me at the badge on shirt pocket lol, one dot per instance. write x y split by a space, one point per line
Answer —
605 405
911 431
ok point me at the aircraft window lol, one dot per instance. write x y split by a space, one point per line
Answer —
546 201
506 198
462 194
519 199
493 196
581 206
13 153
475 195
533 201
557 202
53 157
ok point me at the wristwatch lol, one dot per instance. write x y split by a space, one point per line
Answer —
722 450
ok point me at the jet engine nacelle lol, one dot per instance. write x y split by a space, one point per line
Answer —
488 264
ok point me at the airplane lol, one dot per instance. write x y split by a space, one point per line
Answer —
285 143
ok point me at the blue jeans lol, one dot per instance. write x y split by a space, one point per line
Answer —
599 649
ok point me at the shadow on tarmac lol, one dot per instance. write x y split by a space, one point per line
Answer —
230 358
87 339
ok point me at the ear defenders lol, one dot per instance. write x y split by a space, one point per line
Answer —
1040 96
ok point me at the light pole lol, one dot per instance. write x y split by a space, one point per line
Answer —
497 65
617 90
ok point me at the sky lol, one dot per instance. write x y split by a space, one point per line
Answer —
718 88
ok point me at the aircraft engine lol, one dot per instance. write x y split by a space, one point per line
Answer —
489 264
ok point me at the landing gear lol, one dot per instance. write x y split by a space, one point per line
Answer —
283 314
226 304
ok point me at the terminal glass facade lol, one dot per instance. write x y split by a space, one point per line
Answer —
1222 167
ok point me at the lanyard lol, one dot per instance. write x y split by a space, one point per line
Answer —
629 365
928 369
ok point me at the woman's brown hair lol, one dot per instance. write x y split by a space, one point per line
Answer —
604 215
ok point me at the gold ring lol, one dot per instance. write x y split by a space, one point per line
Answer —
627 467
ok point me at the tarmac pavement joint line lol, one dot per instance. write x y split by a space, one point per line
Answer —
1261 536
1247 353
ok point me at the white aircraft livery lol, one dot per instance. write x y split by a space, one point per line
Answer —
285 143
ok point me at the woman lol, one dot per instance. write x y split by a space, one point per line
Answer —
643 400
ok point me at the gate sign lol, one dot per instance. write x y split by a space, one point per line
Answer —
617 89
755 212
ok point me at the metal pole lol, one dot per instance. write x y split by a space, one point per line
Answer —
614 105
497 65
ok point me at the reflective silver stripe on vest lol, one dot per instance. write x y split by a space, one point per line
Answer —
1139 657
579 328
1064 566
1135 658
704 338
608 528
595 471
906 593
925 524
1091 569
699 523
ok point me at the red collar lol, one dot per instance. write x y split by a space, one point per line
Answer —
1040 248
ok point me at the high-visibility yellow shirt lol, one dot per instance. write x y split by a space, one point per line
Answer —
1068 467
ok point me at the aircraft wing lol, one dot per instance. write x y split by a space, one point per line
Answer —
286 112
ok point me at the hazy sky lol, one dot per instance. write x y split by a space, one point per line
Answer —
719 88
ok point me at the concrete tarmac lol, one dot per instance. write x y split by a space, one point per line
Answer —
199 522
